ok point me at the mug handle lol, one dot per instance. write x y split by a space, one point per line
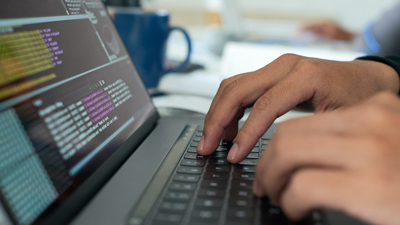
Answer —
189 43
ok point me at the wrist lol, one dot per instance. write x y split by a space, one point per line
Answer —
386 76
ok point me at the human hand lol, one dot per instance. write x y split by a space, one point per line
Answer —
278 87
328 29
346 160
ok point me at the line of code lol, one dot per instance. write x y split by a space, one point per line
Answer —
73 6
75 125
52 44
23 54
17 88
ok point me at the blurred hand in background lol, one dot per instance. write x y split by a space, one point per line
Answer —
328 29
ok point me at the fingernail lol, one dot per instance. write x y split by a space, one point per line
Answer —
257 189
200 147
232 152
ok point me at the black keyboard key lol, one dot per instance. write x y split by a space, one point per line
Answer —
244 168
255 150
316 216
176 207
214 184
193 162
208 203
281 220
223 148
242 202
242 193
192 150
216 176
182 186
240 213
195 156
240 221
219 155
197 221
253 156
226 143
197 139
212 193
274 211
186 178
266 203
242 184
243 176
218 168
206 214
190 170
249 162
166 219
264 141
218 161
274 215
177 196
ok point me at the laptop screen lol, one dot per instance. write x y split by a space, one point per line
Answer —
69 98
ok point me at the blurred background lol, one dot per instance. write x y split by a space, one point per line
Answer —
235 36
352 14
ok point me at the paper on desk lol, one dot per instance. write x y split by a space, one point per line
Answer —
186 102
202 104
245 57
198 83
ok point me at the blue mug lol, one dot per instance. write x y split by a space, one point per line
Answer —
145 36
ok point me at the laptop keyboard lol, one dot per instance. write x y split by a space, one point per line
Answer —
208 190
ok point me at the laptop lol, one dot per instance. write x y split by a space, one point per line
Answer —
82 143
